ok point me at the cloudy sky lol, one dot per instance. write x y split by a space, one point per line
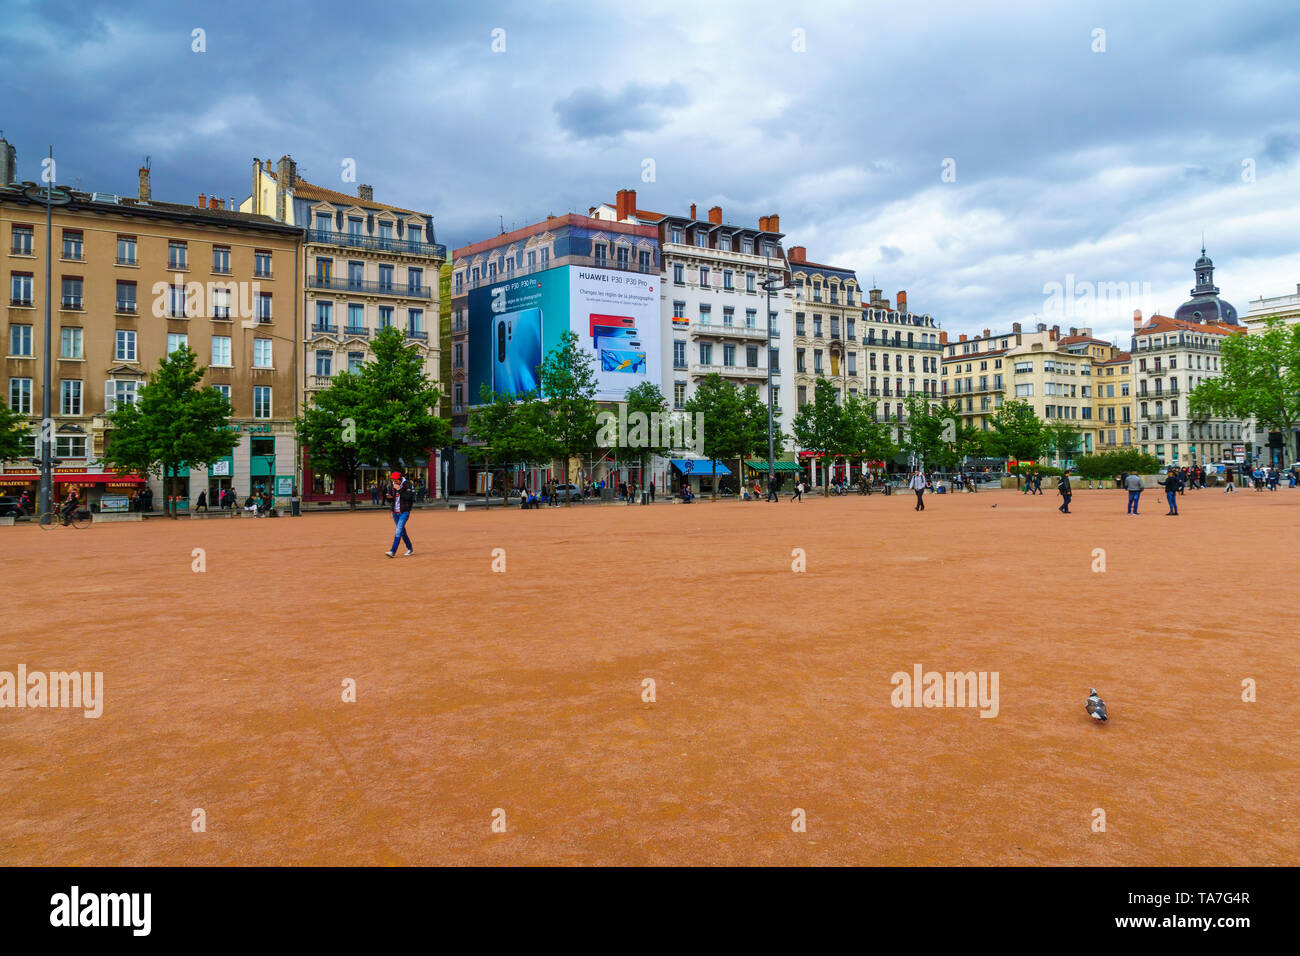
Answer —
973 158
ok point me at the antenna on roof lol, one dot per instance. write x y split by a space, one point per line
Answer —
147 162
502 219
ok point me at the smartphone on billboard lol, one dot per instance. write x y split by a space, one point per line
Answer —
611 322
606 337
622 360
516 351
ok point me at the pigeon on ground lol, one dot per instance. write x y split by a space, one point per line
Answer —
994 505
1096 707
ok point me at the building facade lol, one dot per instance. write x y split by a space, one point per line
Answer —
1273 446
366 265
827 307
134 279
1112 380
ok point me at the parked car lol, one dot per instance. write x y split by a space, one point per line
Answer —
9 507
568 492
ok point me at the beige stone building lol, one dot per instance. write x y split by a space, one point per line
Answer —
133 279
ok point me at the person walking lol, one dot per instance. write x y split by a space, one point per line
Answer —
1173 484
1038 482
917 484
652 491
1229 482
202 503
1133 484
797 495
1064 490
402 496
772 486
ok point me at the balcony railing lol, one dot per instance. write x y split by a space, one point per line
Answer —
125 308
20 300
125 260
366 287
319 381
378 244
324 328
736 331
419 336
357 331
72 302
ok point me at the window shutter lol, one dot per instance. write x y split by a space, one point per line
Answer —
110 397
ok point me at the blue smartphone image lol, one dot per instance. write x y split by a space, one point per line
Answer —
516 351
609 337
622 360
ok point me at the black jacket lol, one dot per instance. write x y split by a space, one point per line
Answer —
1063 484
405 496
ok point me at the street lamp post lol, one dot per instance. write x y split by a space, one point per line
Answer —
770 285
51 198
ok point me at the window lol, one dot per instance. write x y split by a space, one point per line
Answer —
124 347
817 361
176 301
1025 391
679 274
126 250
221 260
706 353
679 395
800 361
324 362
221 350
415 279
621 256
747 245
70 446
817 326
221 300
801 395
356 317
21 244
728 355
356 275
177 255
176 341
460 276
751 318
224 391
601 252
459 360
264 307
325 221
20 395
776 394
706 314
853 363
118 394
724 243
643 260
701 238
20 340
70 342
126 302
72 244
262 401
261 264
728 316
415 321
70 396
704 277
751 356
72 289
726 279
750 282
261 353
324 315
355 360
385 316
675 234
679 353
386 277
546 257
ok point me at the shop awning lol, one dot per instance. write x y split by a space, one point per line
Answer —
96 479
698 466
780 465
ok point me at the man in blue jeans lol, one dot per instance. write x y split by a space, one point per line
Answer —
1133 485
403 495
1173 481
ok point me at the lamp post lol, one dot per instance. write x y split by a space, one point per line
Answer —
51 198
770 285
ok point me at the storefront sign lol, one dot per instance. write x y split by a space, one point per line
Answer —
284 485
219 469
114 503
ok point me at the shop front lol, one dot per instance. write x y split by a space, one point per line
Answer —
698 475
321 487
92 486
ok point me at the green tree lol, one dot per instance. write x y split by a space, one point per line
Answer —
13 434
818 427
864 437
174 421
1062 437
753 431
569 390
725 425
1260 380
925 431
646 399
328 430
507 428
1016 432
397 420
1111 464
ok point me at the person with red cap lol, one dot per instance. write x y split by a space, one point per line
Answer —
403 495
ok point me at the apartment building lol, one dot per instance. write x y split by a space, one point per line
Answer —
135 278
1171 357
1274 447
366 265
901 354
1112 381
827 307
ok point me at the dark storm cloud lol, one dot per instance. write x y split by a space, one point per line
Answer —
592 113
1104 165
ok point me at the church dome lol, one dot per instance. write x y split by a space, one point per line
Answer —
1205 306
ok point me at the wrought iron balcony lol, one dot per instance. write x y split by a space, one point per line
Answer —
366 287
392 244
420 336
324 328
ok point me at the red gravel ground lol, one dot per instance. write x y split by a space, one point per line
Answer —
522 691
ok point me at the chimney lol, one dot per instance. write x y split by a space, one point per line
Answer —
8 163
366 191
1015 328
1073 331
1054 334
144 183
692 211
875 297
287 172
1137 317
988 333
1042 326
215 203
203 201
901 298
797 254
715 215
625 204
762 224
774 223
962 337
943 337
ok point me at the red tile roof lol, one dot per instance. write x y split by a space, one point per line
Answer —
1164 323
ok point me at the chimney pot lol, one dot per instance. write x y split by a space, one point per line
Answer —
144 183
203 200
962 337
797 254
774 223
366 191
1015 328
692 212
1042 326
715 215
987 333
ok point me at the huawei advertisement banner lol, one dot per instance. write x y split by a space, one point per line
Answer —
513 324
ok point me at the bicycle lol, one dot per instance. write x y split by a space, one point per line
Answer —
79 519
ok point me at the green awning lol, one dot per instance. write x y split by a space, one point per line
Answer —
780 466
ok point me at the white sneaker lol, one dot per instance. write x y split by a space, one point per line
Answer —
409 552
388 554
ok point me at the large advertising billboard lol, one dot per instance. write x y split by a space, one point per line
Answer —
514 323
